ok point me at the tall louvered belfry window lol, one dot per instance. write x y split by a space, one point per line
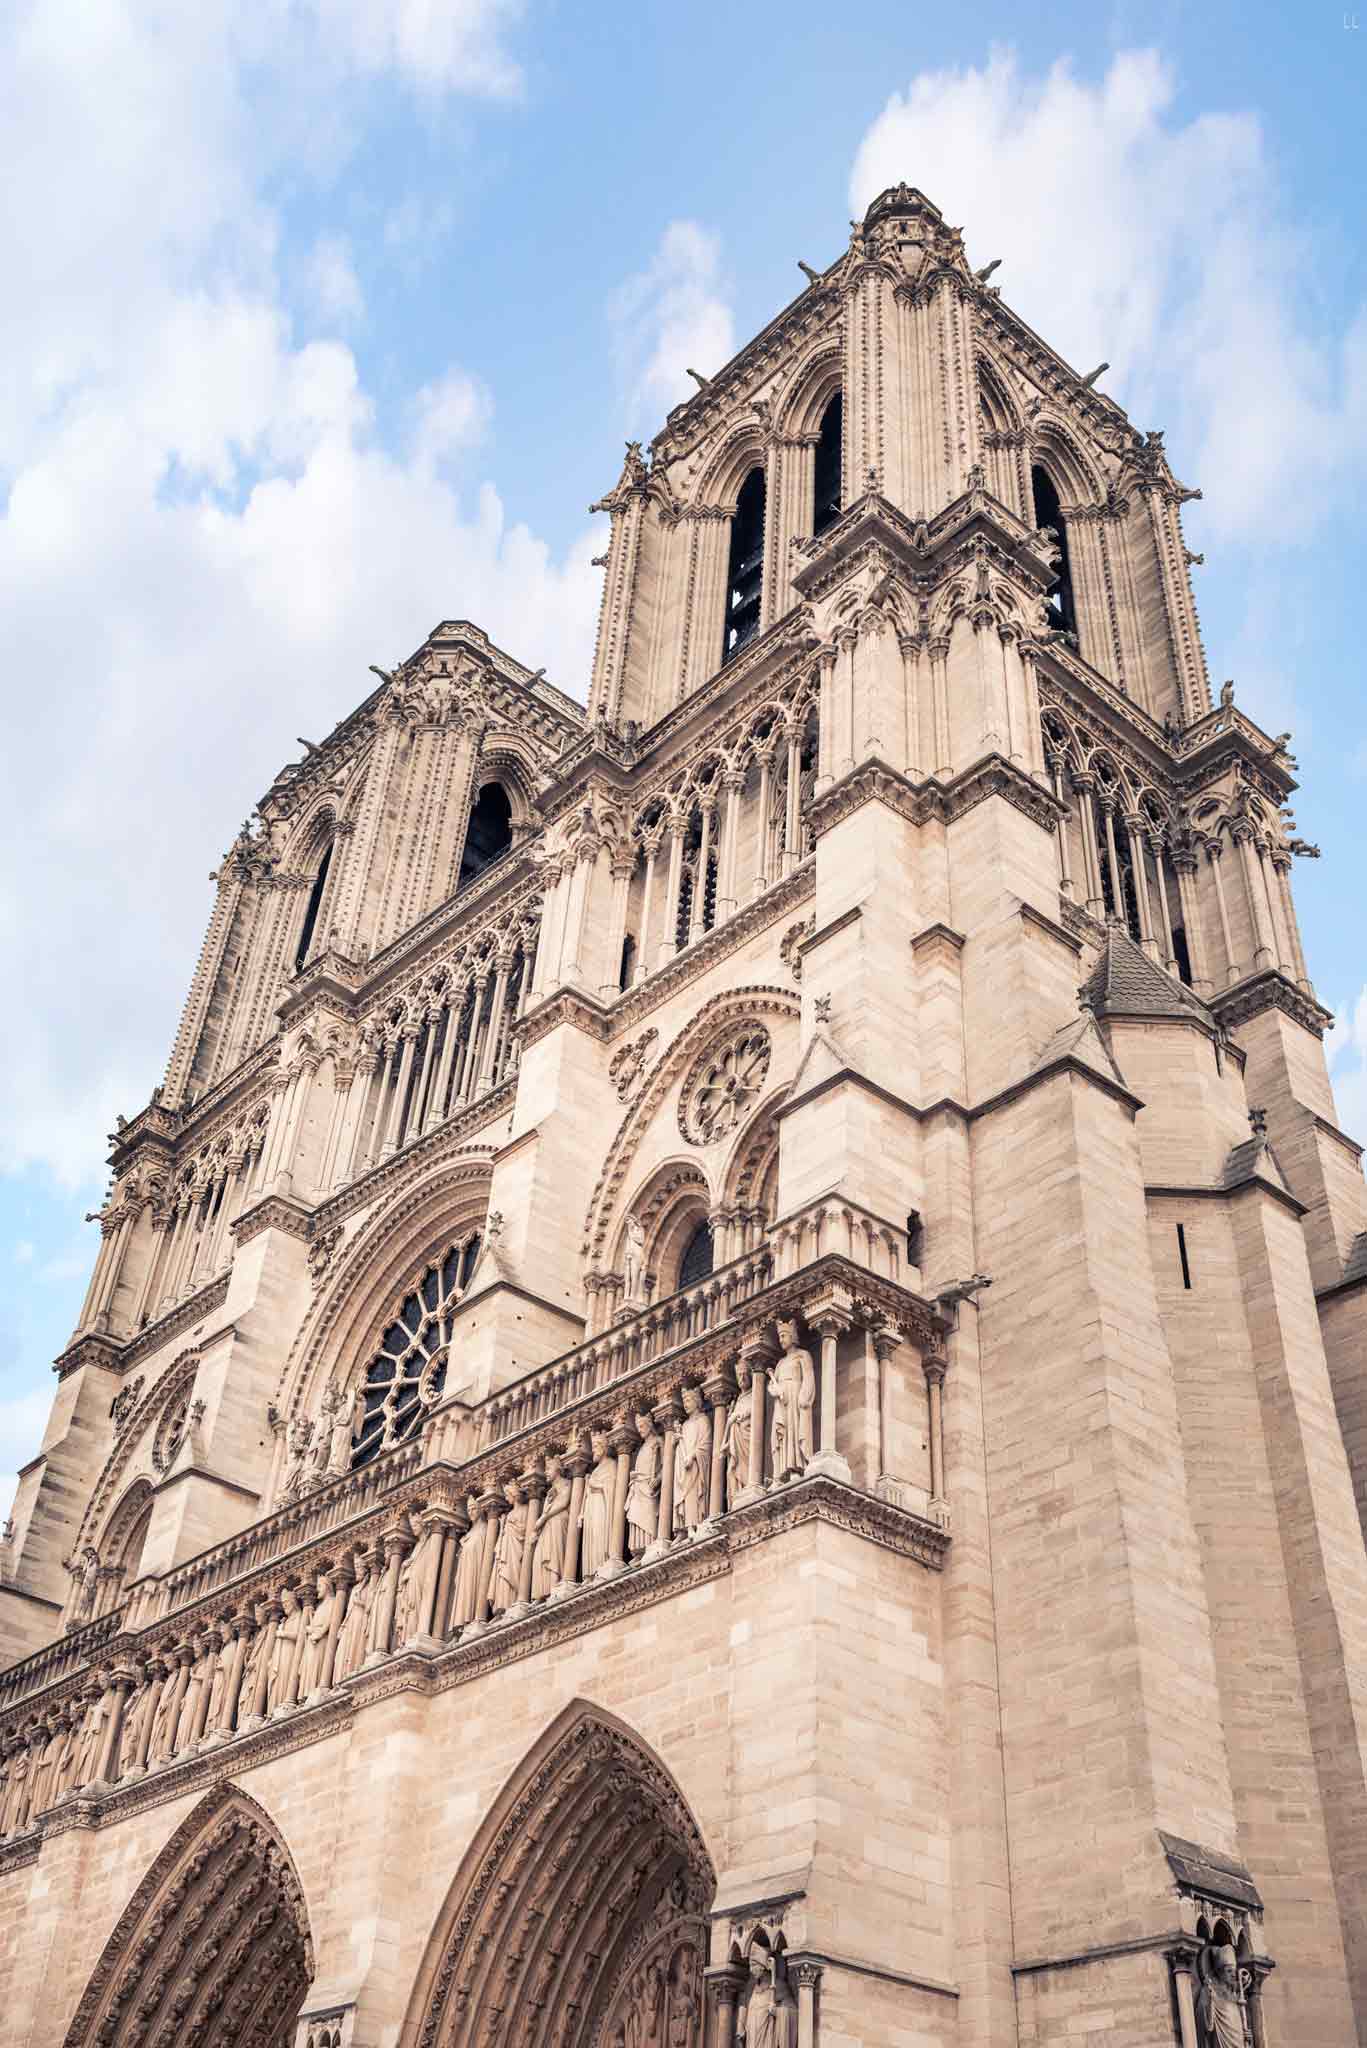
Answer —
826 497
745 568
489 833
1062 610
314 905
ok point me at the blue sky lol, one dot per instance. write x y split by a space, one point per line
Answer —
333 318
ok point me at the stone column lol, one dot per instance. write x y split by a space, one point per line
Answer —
436 1102
719 1392
1263 951
1183 1966
762 876
792 808
436 1523
669 945
733 783
622 866
1134 827
829 1321
489 1050
1169 956
1214 850
1184 867
726 1985
668 1415
393 1136
1282 953
807 1976
650 840
756 1353
491 1506
934 1369
531 1487
429 1047
577 1463
1056 760
622 1440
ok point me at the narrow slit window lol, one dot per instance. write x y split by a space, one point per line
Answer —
315 904
1182 1255
1059 597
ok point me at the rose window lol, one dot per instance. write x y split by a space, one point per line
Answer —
724 1086
407 1376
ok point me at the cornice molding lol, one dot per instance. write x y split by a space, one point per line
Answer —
273 1212
875 781
1270 990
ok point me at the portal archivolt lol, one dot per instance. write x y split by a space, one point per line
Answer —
213 1951
578 1918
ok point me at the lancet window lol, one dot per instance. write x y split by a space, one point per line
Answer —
408 1372
745 566
827 496
489 833
1062 609
312 907
698 1257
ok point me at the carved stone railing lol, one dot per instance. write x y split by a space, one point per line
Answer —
57 1660
622 1349
423 1551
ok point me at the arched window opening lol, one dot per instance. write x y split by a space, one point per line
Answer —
1181 954
315 903
1119 897
628 967
745 569
1059 597
408 1374
489 833
826 506
698 1256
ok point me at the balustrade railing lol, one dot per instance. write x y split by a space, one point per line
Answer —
57 1660
635 1340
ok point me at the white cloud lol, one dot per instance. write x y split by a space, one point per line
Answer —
1345 1049
204 541
333 281
672 317
1161 245
451 415
24 1252
23 1419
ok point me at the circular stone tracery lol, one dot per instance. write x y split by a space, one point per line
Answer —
723 1085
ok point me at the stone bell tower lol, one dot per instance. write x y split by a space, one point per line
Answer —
723 1399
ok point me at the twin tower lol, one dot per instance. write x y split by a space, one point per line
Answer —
724 1398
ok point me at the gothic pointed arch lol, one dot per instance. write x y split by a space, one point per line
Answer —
763 1005
577 1918
371 1277
214 1949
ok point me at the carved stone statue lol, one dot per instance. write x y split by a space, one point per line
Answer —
643 1490
282 1656
792 1385
84 1750
549 1532
736 1441
337 1422
316 1638
251 1672
351 1643
296 1471
692 1463
1219 2006
770 2014
466 1594
597 1510
634 1264
508 1553
86 1572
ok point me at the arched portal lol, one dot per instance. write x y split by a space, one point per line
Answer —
213 1950
577 1919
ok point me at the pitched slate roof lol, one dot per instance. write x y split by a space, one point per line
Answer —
1125 982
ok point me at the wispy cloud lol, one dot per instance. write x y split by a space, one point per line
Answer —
1346 1050
670 317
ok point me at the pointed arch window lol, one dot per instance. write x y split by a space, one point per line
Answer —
745 567
489 833
314 905
1062 609
826 500
698 1256
408 1374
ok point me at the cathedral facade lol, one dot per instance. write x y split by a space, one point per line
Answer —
724 1398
